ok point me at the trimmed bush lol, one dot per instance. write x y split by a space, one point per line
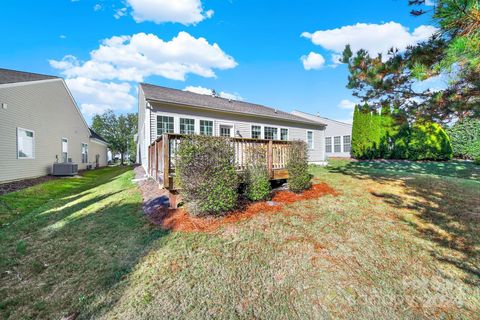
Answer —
297 166
256 174
428 141
206 173
465 138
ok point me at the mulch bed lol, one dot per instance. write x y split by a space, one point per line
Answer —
22 184
180 220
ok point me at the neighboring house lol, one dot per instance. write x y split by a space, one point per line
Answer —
338 135
40 124
164 110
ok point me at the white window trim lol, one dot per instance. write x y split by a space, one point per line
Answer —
180 124
166 115
261 130
341 144
278 132
227 124
331 145
313 139
33 145
61 146
81 152
199 131
288 133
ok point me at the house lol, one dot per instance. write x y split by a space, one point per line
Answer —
165 110
40 124
338 135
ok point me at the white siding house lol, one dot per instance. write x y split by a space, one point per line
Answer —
338 135
40 124
164 110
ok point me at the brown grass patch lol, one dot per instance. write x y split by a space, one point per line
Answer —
181 220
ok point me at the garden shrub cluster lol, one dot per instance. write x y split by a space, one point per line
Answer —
206 174
465 138
389 135
297 166
257 180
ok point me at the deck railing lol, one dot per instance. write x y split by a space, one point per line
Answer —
162 156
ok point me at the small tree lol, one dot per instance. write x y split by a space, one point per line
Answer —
257 179
118 131
206 174
297 166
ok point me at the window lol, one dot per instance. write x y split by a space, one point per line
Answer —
206 127
270 133
347 143
337 147
328 144
164 125
283 134
64 150
25 144
225 131
84 153
187 126
256 132
310 139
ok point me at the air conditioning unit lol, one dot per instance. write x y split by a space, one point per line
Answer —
65 169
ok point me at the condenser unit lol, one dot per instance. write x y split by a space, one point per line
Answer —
65 169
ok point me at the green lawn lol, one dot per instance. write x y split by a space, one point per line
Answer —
402 240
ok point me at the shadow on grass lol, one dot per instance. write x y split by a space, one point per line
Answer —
74 249
445 202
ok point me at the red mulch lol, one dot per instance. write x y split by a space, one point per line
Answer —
180 220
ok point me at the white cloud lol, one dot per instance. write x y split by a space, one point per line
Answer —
160 11
429 3
62 36
376 38
97 7
120 13
98 96
206 91
347 104
132 58
313 61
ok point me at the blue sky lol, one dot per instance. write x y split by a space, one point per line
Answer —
243 48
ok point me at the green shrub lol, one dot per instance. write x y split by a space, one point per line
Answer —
206 174
465 138
477 161
297 166
257 179
428 141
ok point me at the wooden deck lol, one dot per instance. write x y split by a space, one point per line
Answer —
162 157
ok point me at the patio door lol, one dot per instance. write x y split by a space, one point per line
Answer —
226 130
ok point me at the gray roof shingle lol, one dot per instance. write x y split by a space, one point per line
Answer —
169 95
13 76
95 135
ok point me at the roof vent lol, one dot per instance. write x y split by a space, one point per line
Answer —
318 114
276 111
214 93
230 100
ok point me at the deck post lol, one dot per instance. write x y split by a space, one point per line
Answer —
156 160
270 158
166 161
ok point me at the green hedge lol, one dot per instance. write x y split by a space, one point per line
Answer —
389 136
257 180
206 173
465 138
428 141
297 166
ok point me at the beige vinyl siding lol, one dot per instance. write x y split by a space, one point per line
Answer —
95 148
241 125
47 108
